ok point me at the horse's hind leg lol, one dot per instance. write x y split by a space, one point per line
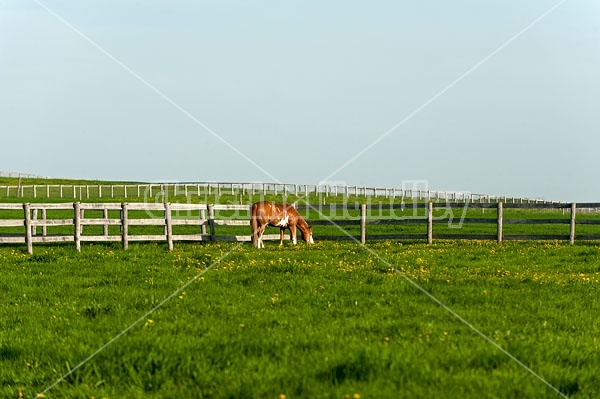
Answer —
255 238
261 244
258 237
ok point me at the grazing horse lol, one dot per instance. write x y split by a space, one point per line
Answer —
284 216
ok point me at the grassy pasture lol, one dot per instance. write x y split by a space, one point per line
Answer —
329 321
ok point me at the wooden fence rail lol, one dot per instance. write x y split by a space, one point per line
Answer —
165 190
29 223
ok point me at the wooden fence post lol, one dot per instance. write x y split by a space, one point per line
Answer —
44 229
169 225
77 225
105 215
211 222
34 220
500 227
124 225
572 230
203 217
363 223
430 222
27 222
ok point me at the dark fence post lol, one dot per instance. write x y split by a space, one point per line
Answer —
430 222
500 233
572 230
211 222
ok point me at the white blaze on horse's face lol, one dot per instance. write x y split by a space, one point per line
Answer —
310 237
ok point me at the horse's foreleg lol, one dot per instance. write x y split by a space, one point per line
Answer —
281 233
293 235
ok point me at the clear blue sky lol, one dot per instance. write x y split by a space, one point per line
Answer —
292 91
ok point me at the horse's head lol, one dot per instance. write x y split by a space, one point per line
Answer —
307 235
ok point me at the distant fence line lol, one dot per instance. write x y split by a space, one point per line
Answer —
81 192
34 218
21 175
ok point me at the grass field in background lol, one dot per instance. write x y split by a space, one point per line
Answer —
333 320
324 212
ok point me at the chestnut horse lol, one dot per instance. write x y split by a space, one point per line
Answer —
284 216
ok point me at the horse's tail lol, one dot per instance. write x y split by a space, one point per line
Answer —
254 224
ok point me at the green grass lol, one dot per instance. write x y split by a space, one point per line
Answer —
327 321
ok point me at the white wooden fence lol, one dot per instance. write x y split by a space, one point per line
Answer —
152 190
21 175
204 220
34 218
